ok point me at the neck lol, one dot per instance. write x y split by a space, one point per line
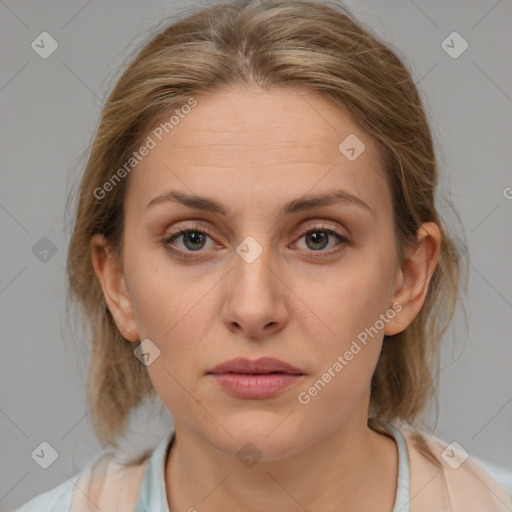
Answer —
351 468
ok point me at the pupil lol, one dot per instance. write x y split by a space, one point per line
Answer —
318 238
195 238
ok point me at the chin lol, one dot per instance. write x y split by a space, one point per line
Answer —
259 439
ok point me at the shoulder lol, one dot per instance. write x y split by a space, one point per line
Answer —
57 499
443 474
109 484
105 483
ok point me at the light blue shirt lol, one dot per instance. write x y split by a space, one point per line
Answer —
152 493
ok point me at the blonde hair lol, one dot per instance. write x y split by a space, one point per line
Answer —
269 44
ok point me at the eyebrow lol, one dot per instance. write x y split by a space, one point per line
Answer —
300 204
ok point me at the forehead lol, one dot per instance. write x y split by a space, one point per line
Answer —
255 146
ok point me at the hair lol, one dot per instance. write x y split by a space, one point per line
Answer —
309 46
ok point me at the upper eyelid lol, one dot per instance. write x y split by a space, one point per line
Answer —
317 224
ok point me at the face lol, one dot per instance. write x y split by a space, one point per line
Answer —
256 279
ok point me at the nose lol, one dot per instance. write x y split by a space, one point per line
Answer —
256 303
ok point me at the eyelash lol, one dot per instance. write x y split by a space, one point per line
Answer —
166 241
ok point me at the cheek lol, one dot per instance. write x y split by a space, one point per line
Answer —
342 320
170 310
347 347
177 309
336 308
160 295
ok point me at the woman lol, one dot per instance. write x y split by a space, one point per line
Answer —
258 212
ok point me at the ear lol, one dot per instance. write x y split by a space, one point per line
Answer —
413 278
109 272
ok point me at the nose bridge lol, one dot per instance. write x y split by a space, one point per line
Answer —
253 263
254 292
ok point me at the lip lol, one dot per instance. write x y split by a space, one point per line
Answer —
259 366
259 379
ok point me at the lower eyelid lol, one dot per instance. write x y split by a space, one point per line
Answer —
168 239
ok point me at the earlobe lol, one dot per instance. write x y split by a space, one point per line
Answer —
109 273
414 277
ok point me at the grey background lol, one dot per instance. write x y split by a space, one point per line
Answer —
50 109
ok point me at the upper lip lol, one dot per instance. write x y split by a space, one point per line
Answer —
261 365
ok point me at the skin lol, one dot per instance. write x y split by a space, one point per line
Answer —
253 151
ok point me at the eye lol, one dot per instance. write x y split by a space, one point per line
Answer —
193 240
319 236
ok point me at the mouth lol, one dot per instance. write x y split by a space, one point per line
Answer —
260 379
263 365
256 386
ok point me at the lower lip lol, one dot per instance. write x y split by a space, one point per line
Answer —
264 385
